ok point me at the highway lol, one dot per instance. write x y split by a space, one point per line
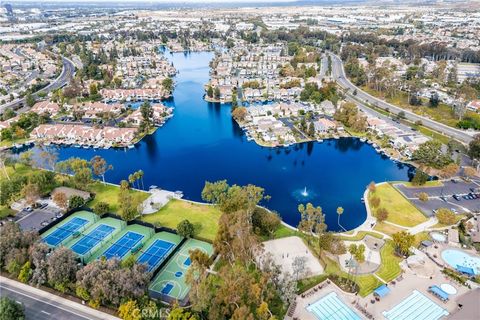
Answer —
41 305
68 70
338 74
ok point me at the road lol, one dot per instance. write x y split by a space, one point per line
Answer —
339 76
68 70
40 305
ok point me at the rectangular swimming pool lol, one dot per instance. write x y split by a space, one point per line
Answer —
416 306
332 308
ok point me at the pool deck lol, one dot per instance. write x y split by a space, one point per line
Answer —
399 291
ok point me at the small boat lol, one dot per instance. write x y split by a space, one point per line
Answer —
362 200
319 140
77 145
363 139
131 146
85 146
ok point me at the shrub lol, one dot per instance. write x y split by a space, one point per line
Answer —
382 214
423 196
185 229
375 202
101 208
446 216
75 202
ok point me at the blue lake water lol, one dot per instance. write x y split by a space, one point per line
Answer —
202 143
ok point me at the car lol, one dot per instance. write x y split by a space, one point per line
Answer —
58 215
443 198
454 210
466 197
28 209
473 195
456 197
453 180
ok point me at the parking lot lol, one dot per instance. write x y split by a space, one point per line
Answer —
443 197
37 218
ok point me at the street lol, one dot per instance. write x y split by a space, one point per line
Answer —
339 76
41 305
67 72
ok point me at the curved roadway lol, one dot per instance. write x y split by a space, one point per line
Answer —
339 76
68 70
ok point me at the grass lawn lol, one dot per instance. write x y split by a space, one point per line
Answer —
203 217
387 228
400 210
419 237
390 268
109 194
283 232
366 283
6 211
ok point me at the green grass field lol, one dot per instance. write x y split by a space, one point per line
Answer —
203 217
360 235
173 273
109 193
390 268
387 228
400 210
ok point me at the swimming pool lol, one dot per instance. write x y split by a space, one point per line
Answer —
332 308
416 306
437 236
460 258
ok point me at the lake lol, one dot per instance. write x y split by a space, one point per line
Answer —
203 143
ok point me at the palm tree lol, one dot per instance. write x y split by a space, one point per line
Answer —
339 212
131 179
140 175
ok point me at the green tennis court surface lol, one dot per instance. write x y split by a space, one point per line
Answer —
87 243
170 281
66 229
124 243
157 249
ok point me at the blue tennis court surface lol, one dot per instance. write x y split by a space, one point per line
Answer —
90 240
66 230
187 262
332 308
155 253
126 243
416 306
167 288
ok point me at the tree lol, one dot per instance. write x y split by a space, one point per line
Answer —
127 204
474 147
100 167
146 111
178 313
339 213
312 220
101 208
25 272
60 199
420 178
210 92
449 170
129 311
430 154
167 84
30 100
403 241
434 100
423 196
31 193
10 310
75 202
469 171
185 229
382 214
446 216
216 93
374 202
239 114
372 187
62 267
299 267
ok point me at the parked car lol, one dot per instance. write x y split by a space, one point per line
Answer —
456 197
454 210
443 198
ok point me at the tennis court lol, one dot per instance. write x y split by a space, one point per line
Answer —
123 245
63 231
170 281
90 240
158 249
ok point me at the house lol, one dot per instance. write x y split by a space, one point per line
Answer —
46 107
474 106
324 125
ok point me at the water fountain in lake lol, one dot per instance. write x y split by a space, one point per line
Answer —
303 195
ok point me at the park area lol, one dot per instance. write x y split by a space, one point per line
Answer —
203 217
400 210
